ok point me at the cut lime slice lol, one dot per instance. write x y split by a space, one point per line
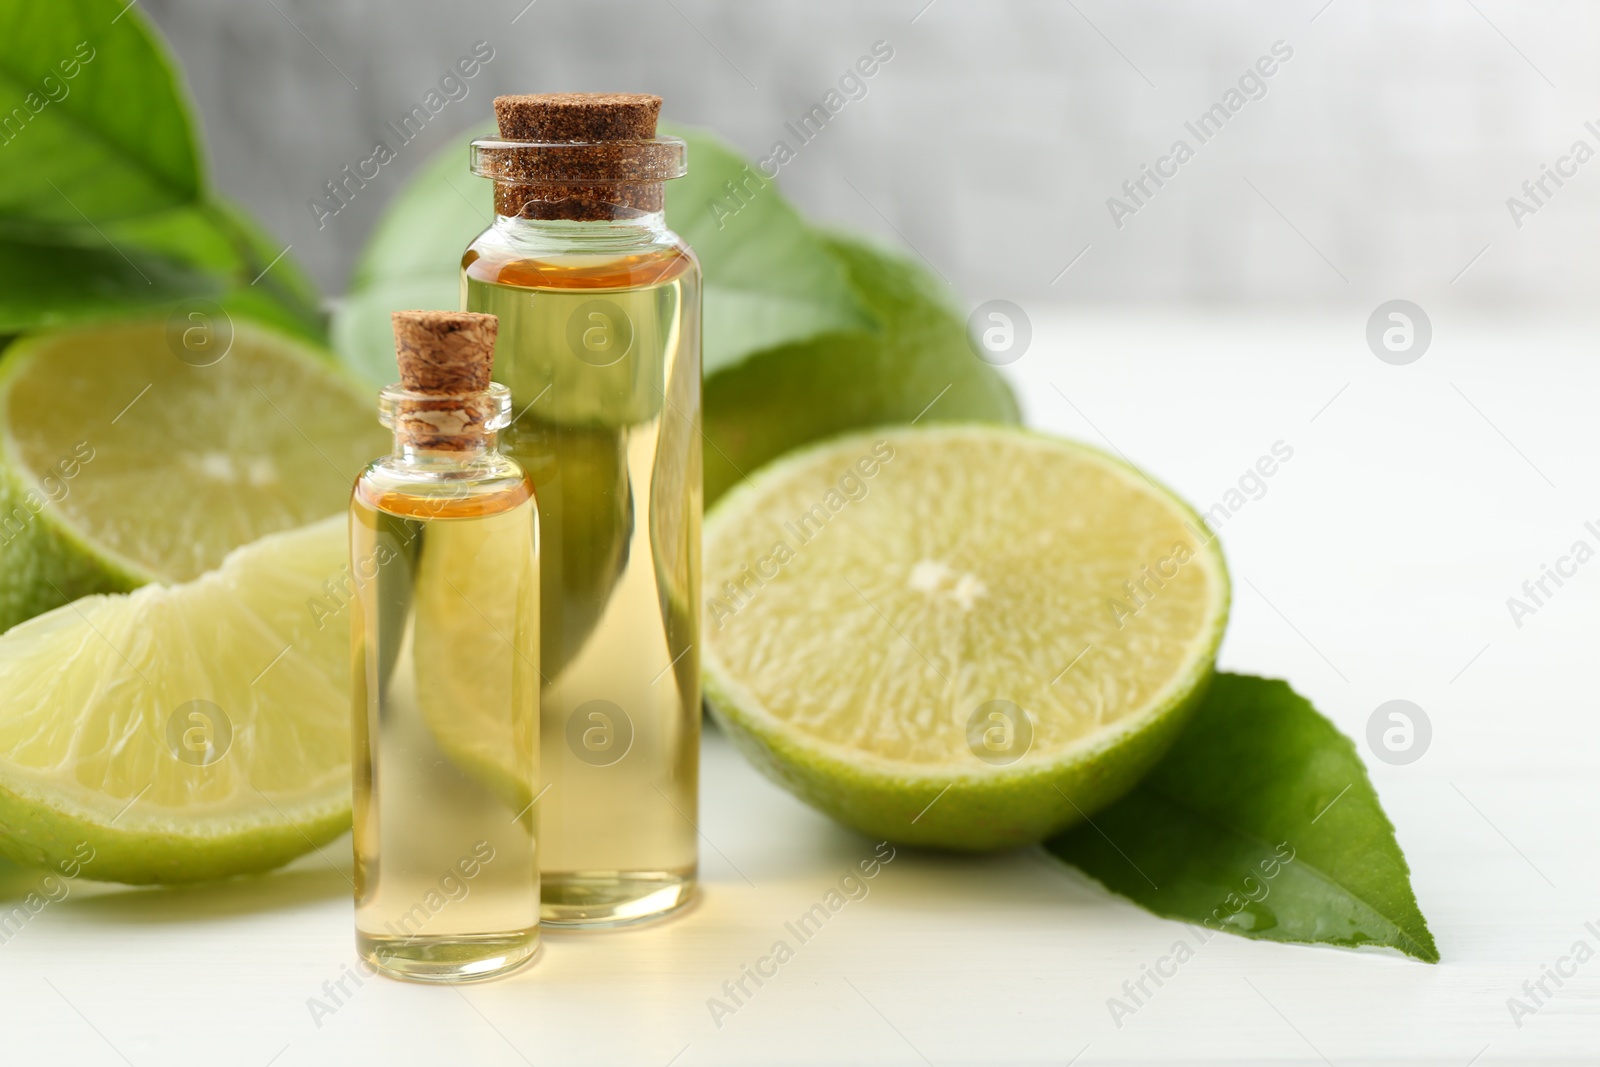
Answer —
140 452
964 636
187 732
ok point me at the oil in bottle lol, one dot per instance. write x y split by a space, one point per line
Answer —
444 552
599 310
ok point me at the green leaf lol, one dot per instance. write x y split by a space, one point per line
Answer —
916 363
93 123
217 236
261 278
103 211
769 279
54 276
1260 822
56 283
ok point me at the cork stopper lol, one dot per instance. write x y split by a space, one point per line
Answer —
445 360
547 117
606 170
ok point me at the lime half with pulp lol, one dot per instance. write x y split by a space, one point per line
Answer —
132 453
963 636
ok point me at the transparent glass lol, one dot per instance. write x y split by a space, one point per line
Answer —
600 344
444 555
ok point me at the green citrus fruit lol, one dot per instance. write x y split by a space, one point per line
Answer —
184 732
963 636
140 452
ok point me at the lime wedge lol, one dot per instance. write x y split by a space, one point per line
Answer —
140 452
185 732
965 636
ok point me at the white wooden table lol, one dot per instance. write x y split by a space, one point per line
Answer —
1376 566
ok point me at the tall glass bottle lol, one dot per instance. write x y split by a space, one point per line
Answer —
599 308
444 556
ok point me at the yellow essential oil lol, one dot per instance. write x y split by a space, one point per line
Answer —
599 310
444 552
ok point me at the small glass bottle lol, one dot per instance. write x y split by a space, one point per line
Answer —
444 555
599 308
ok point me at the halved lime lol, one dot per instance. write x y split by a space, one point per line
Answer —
185 732
962 636
146 451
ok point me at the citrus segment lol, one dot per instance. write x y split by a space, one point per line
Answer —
184 732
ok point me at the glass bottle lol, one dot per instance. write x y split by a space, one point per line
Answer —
599 308
444 555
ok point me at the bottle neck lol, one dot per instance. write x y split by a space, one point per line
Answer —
458 452
578 235
611 178
442 432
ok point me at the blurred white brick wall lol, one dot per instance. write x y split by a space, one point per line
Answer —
1377 165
